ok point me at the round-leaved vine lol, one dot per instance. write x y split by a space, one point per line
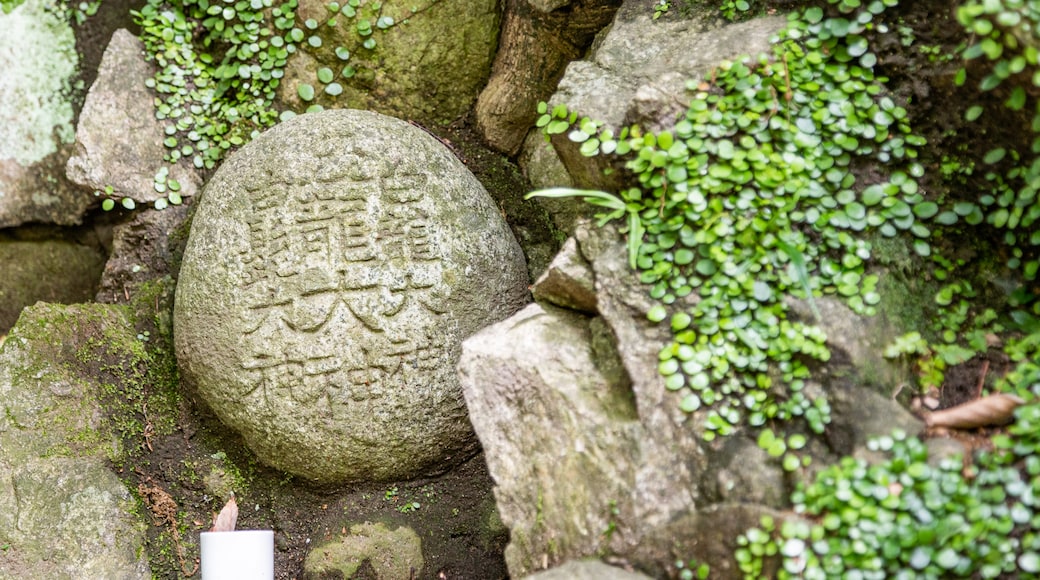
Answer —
755 196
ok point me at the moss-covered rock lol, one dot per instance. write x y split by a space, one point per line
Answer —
428 59
389 553
76 383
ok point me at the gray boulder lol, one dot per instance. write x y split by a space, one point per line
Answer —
119 142
590 452
37 107
145 247
560 431
428 65
63 513
333 268
568 281
586 446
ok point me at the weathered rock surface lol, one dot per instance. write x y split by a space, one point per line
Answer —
428 66
560 432
578 438
589 451
390 554
38 57
568 281
637 73
119 142
37 107
333 268
63 513
587 570
45 270
144 248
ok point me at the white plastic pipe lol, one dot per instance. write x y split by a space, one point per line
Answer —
239 555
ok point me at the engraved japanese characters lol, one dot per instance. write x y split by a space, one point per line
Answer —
333 268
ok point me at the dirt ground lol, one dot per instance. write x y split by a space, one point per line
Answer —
178 477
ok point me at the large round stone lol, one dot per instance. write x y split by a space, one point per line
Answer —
334 266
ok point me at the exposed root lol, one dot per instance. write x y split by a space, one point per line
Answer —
164 512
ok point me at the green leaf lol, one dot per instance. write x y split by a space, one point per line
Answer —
681 321
791 462
803 273
1017 100
994 155
635 238
690 403
589 195
926 209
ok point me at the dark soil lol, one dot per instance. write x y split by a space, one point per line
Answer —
178 477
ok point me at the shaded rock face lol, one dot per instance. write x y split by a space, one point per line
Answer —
333 267
429 66
590 452
119 142
145 247
47 270
576 447
37 108
63 513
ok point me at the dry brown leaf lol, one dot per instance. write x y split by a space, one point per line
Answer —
226 519
996 409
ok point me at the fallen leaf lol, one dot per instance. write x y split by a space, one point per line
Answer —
225 520
996 409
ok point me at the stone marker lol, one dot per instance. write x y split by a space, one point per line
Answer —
334 266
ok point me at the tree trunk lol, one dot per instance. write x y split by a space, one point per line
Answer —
534 50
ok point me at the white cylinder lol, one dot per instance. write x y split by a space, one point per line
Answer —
239 555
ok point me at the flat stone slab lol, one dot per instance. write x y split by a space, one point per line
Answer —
333 268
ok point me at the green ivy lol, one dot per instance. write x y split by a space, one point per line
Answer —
1005 37
1005 34
736 9
754 196
961 330
219 67
220 64
912 516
